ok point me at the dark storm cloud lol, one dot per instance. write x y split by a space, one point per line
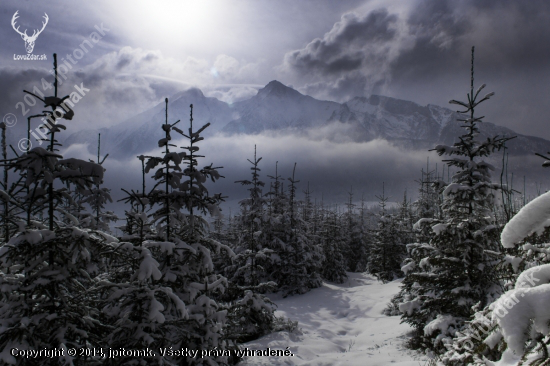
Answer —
423 55
510 35
342 49
420 42
352 57
437 29
516 32
124 61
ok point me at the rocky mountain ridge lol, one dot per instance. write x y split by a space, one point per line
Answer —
277 107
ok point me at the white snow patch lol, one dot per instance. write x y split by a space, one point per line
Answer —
408 267
514 310
419 223
155 310
438 228
340 325
409 307
534 276
532 218
148 267
514 261
441 323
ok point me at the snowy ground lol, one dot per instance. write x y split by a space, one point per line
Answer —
340 325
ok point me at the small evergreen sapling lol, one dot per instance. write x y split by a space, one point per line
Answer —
138 226
332 241
251 253
387 250
97 198
250 314
164 297
298 259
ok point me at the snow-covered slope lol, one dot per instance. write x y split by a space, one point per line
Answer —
340 325
389 118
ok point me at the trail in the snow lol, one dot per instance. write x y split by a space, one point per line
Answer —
340 325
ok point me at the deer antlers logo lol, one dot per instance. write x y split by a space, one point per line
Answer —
29 40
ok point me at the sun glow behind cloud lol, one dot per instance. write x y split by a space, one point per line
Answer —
180 26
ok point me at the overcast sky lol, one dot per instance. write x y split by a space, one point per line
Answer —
417 50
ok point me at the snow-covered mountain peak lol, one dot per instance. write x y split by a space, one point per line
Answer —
277 89
189 94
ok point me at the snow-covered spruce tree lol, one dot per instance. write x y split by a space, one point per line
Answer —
218 227
307 208
428 204
138 225
46 271
427 208
250 250
164 299
364 236
356 251
514 327
250 314
459 269
316 219
387 249
96 197
297 259
141 309
332 240
305 256
405 220
426 211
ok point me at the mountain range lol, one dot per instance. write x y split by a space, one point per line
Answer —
277 107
